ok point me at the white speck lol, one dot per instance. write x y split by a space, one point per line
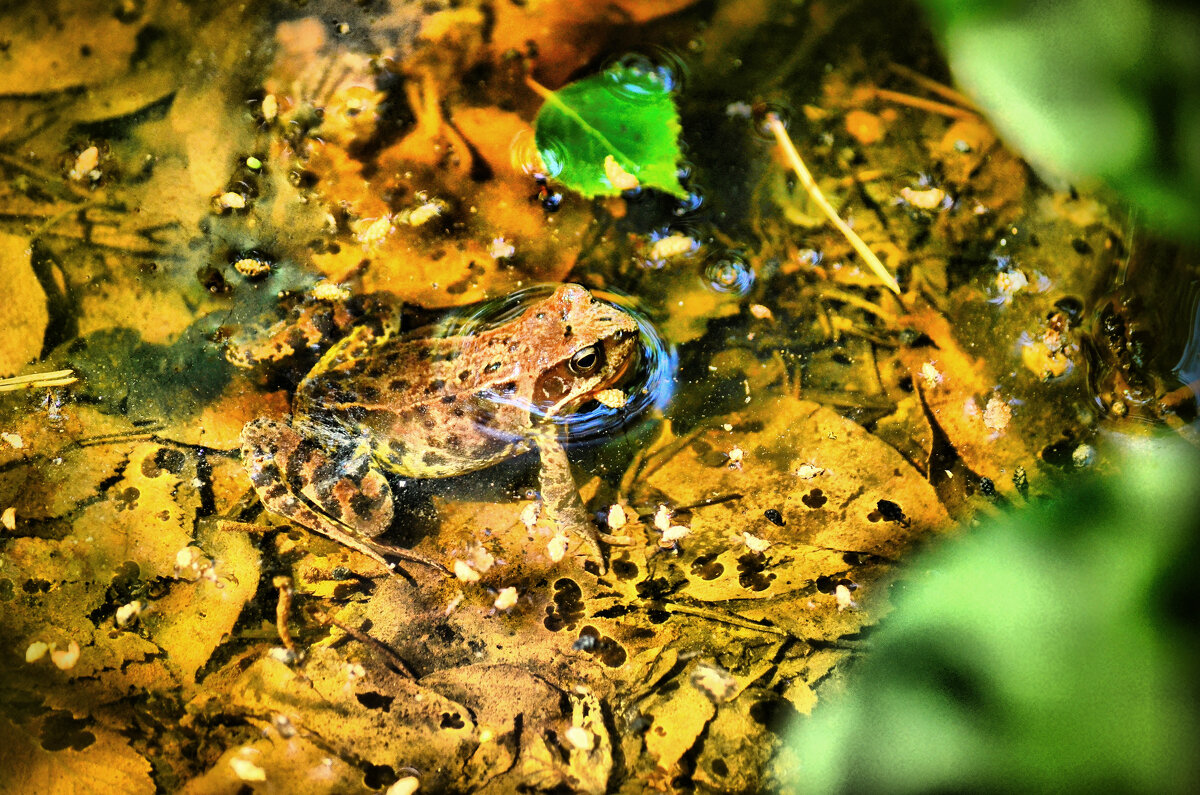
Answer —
65 659
405 786
740 110
736 456
617 176
231 200
482 560
126 613
754 543
1008 284
464 572
579 737
929 199
808 471
676 532
997 415
1083 456
501 248
506 598
85 164
662 518
529 514
247 770
557 548
671 246
616 517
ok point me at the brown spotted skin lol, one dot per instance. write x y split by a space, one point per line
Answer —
437 407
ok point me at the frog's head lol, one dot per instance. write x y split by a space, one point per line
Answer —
594 346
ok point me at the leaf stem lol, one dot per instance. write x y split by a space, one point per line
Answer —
537 87
921 103
810 185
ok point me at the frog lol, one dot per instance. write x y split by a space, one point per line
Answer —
380 404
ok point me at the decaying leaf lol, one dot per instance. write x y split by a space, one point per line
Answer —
23 311
68 755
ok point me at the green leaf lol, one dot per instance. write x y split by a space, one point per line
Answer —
625 113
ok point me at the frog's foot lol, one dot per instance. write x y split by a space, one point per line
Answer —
347 504
560 497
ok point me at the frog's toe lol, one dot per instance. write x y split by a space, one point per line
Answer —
363 501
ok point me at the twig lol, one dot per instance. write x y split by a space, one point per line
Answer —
810 185
933 86
900 98
725 618
283 610
397 664
50 179
833 294
35 380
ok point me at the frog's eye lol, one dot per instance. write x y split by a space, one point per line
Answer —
585 360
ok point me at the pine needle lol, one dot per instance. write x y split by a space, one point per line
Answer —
35 380
810 185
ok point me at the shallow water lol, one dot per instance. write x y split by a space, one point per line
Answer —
198 200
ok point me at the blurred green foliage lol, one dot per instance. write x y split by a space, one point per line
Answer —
1091 90
1052 650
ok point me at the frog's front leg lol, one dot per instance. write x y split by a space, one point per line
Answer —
560 497
296 478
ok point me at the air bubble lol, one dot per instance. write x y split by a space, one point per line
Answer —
643 78
728 272
690 203
761 113
523 154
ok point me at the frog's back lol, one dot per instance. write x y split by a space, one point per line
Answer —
417 403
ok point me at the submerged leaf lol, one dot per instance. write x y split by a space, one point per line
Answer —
611 132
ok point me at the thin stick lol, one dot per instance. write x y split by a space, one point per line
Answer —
36 380
810 185
397 664
933 86
900 98
50 179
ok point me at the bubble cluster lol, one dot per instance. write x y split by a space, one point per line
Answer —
728 272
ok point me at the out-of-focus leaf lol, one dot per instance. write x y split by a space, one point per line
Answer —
1049 650
618 126
1091 91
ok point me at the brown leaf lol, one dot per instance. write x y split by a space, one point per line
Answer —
99 760
23 311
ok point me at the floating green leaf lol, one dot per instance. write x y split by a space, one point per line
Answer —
612 131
